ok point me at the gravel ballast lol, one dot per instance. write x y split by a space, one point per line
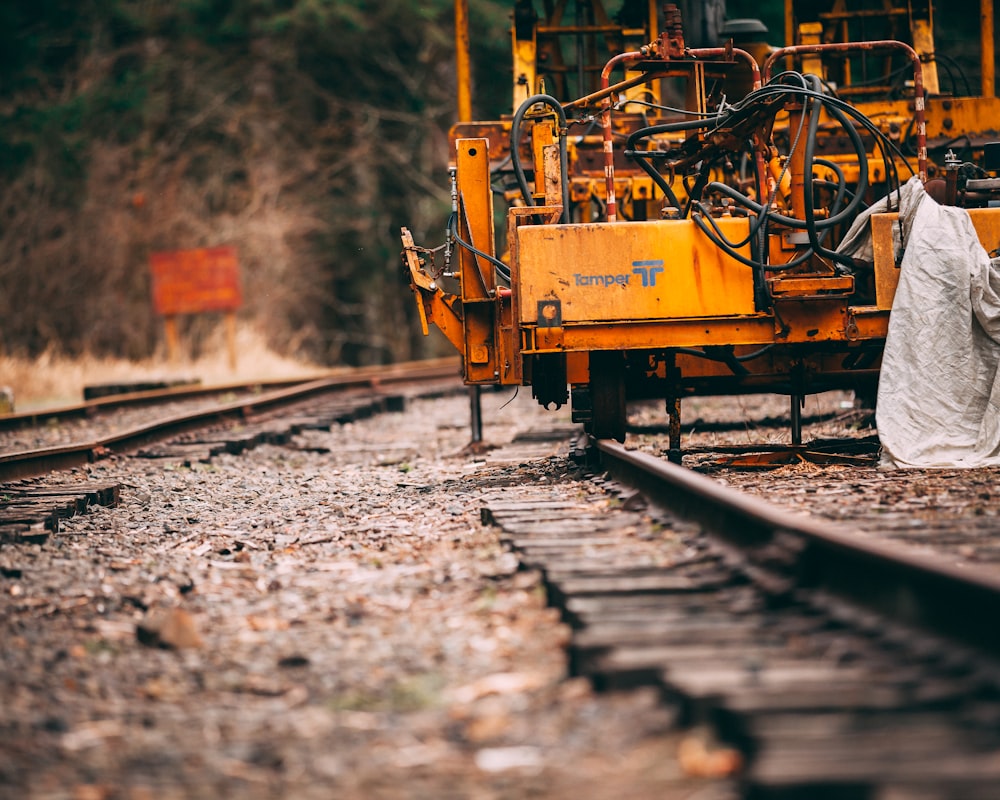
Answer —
327 619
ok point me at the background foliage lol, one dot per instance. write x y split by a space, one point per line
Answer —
303 131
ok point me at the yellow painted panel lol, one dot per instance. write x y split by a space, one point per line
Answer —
631 271
813 320
868 322
946 116
886 269
986 221
987 224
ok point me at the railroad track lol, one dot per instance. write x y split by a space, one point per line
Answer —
346 377
817 662
353 390
31 510
803 661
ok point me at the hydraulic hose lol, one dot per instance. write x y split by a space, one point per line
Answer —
810 210
919 114
515 152
644 157
845 214
817 230
724 355
711 230
840 185
502 269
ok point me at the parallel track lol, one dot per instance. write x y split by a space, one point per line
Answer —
30 463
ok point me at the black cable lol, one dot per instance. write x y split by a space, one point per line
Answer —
685 111
948 60
815 100
720 241
840 185
836 186
743 111
734 365
835 219
809 201
865 122
502 269
755 226
515 140
727 356
644 157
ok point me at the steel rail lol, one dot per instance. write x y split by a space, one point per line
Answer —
361 375
792 551
32 463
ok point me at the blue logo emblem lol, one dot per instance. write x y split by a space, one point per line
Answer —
648 270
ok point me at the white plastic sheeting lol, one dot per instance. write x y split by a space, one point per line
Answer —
939 394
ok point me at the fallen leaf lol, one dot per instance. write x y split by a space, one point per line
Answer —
172 628
259 623
498 683
700 760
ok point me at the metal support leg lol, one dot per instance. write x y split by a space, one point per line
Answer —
607 393
674 413
797 401
476 413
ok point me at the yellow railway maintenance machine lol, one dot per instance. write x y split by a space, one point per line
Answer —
673 216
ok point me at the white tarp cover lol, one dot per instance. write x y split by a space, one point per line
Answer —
938 395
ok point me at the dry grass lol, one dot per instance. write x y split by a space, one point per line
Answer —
55 380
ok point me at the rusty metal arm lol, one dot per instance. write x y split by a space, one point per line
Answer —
600 94
433 303
609 158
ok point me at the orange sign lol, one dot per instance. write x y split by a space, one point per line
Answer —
193 281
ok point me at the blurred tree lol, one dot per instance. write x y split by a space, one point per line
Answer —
303 131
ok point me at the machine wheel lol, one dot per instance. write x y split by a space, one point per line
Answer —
607 391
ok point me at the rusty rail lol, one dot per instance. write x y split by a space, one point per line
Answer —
957 604
99 405
31 463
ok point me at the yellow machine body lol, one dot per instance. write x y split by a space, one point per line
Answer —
603 309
